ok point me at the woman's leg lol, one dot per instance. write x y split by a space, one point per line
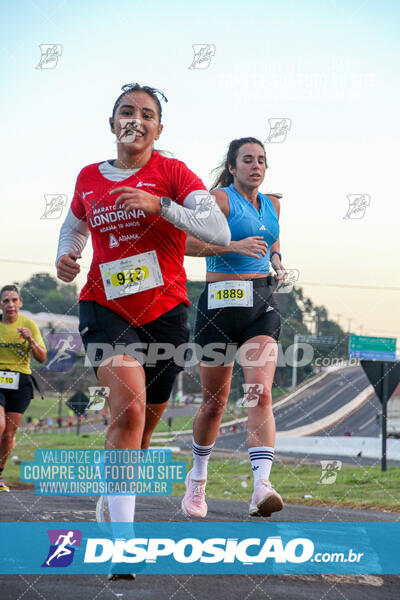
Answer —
170 328
9 423
127 417
127 400
154 412
259 369
216 383
2 424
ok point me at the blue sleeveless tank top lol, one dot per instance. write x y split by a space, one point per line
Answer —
244 221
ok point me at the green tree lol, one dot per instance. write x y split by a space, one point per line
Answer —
43 293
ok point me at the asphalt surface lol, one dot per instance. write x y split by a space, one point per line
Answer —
202 587
23 505
99 427
236 442
316 402
325 397
365 422
322 399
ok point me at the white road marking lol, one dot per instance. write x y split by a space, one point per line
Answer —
310 412
367 423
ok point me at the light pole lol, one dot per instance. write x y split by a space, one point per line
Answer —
294 367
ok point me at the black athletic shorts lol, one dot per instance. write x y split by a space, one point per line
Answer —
235 325
17 400
99 326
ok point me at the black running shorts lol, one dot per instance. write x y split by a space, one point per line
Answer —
103 330
17 400
236 325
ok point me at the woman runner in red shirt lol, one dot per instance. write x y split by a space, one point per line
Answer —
133 308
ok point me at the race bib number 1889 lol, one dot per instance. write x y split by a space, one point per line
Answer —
223 294
131 275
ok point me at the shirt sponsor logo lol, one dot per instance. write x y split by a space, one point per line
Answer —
113 242
126 238
114 216
141 184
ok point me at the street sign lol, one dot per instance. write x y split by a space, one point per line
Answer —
384 376
374 371
312 339
330 340
78 403
372 348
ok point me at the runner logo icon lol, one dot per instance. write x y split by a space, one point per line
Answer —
61 551
63 349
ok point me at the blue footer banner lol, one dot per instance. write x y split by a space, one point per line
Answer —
200 548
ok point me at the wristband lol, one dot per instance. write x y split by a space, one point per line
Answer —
275 252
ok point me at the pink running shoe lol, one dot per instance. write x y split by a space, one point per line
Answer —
194 501
265 500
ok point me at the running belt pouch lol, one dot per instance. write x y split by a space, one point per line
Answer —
37 386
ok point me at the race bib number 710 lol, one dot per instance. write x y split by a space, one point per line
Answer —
9 380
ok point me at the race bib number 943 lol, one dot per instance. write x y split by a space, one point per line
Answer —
223 294
131 275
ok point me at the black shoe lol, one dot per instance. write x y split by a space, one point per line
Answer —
115 576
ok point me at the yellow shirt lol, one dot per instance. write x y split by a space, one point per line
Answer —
15 352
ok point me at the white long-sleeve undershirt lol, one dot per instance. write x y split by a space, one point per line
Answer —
199 216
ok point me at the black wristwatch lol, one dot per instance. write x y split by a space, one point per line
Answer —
165 204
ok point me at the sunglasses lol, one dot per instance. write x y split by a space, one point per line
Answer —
131 87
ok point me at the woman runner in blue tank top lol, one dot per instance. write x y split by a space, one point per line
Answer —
237 310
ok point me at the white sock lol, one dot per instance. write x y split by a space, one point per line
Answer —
261 462
122 508
201 455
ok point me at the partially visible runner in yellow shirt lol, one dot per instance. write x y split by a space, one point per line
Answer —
19 336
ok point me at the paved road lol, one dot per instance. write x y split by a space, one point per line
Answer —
99 427
316 402
201 587
324 398
231 442
25 506
365 422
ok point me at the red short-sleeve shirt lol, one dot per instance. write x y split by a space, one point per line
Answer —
117 235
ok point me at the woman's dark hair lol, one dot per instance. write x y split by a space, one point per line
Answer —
136 87
9 288
224 178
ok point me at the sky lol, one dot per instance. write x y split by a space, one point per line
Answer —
328 69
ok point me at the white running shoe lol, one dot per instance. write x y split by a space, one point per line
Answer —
194 501
103 516
265 500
